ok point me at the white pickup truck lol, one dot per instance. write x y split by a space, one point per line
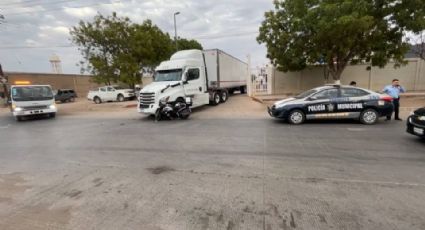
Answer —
110 93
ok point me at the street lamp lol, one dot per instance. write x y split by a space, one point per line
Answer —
175 30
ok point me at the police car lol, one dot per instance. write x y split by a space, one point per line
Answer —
416 123
333 102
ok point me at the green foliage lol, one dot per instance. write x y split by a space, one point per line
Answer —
116 50
336 33
185 44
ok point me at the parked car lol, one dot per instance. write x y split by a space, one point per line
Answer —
333 102
110 93
65 95
416 123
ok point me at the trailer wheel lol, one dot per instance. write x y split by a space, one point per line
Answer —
216 98
242 89
223 96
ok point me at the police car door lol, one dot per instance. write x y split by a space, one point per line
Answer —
351 102
322 104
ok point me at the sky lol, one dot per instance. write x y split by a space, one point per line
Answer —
32 31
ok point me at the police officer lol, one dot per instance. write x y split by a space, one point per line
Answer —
394 91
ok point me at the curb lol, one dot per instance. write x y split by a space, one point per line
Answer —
257 99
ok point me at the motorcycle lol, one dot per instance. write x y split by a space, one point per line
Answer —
175 110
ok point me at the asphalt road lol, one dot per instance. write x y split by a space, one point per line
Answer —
128 172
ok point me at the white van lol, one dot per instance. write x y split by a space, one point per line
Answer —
27 100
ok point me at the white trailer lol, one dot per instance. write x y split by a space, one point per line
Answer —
225 71
207 77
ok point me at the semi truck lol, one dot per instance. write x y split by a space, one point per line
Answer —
204 77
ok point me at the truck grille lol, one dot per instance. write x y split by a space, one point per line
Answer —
35 107
146 99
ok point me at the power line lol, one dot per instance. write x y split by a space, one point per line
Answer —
72 45
14 3
32 3
224 36
37 47
58 8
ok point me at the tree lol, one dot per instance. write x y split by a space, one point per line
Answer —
336 33
100 42
411 16
117 50
185 44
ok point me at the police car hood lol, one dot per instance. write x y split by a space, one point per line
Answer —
287 101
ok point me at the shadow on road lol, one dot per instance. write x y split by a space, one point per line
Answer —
335 121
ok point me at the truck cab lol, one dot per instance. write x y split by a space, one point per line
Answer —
174 80
206 77
29 100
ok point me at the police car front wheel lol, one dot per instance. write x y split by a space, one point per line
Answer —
296 117
369 117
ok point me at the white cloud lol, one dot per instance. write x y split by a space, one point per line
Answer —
62 30
80 12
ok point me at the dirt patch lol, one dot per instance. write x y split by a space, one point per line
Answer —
73 194
11 185
314 180
230 225
160 169
98 182
37 218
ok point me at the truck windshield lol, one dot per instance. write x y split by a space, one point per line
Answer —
168 75
32 93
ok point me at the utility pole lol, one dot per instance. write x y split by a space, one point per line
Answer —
175 30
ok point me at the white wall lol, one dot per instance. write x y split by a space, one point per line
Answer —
411 76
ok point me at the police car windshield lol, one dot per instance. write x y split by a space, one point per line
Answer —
306 94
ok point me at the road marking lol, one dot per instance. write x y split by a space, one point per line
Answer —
356 129
5 127
356 181
309 179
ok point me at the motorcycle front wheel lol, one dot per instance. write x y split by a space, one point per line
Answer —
158 116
